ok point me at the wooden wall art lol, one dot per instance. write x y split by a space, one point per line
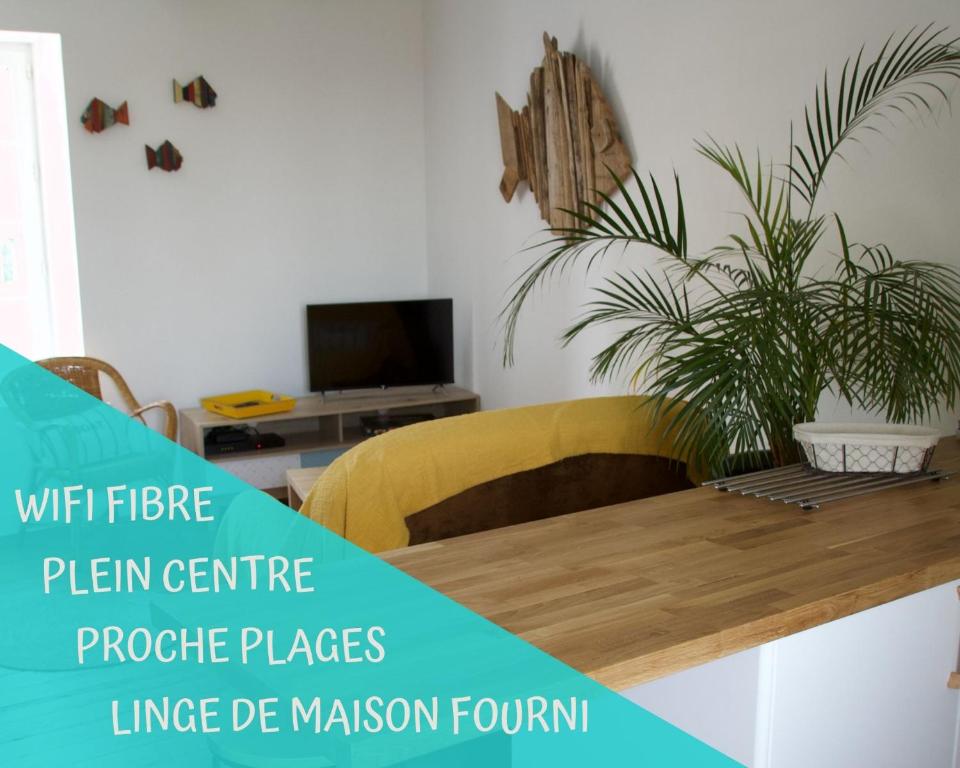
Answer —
166 157
99 116
563 141
198 92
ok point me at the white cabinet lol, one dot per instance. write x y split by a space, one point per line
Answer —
716 702
866 690
869 689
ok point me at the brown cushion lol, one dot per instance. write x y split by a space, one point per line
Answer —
569 485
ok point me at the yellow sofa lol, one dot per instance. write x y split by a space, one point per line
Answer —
484 470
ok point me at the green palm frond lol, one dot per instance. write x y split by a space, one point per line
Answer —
895 324
597 231
906 76
767 195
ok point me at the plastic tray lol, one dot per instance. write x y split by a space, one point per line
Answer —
248 404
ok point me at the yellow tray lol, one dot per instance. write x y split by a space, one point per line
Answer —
245 405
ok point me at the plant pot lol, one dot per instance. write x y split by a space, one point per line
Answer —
748 461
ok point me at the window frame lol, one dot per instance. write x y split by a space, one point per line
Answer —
55 307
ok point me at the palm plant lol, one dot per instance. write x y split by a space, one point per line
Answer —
748 335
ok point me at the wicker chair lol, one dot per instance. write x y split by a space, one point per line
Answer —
84 372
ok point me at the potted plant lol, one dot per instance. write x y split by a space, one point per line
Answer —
749 335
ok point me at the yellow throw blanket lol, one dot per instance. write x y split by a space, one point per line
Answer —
367 493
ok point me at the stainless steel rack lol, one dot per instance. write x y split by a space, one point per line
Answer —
808 488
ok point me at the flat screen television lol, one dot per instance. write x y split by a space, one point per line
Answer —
380 344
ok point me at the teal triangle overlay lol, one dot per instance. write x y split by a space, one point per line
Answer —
55 711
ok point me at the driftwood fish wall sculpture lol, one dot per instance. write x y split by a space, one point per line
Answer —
563 141
99 116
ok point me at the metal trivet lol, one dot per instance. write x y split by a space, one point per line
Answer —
807 487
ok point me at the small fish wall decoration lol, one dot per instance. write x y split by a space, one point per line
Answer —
99 116
166 157
198 92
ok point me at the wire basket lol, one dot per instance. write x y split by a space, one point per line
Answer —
867 448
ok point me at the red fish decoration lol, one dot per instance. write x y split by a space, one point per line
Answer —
166 157
199 93
98 116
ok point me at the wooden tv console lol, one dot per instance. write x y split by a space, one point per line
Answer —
318 428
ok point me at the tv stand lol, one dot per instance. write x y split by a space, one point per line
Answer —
318 429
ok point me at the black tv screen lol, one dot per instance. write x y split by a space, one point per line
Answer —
380 344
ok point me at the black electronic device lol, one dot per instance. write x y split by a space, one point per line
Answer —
268 440
224 440
377 425
380 344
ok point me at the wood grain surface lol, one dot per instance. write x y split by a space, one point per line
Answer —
565 142
629 593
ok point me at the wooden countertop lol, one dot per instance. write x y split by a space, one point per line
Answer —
629 593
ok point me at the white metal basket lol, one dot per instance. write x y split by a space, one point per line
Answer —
893 448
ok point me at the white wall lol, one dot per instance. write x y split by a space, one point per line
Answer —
309 180
674 72
304 184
